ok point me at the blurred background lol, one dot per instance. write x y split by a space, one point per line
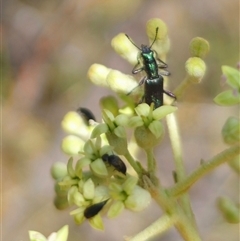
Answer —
47 48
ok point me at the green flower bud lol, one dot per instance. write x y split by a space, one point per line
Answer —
199 47
162 44
138 200
110 103
73 123
96 222
99 168
71 145
58 170
59 191
88 189
97 73
229 210
196 69
121 83
125 48
61 203
119 144
115 209
145 138
231 131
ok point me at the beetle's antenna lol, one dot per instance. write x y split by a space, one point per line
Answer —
154 38
132 42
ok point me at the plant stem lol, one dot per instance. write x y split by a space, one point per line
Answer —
182 87
174 136
133 163
184 225
152 167
161 225
151 162
206 167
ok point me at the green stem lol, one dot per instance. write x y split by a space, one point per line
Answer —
133 163
176 145
206 167
160 225
174 136
184 225
182 87
151 162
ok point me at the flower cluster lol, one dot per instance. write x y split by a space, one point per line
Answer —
103 176
99 179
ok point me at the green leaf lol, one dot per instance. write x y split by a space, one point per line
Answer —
233 76
231 131
227 98
229 209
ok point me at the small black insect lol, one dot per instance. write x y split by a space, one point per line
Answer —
86 114
116 162
153 82
94 209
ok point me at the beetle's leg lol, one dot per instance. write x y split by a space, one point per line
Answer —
169 93
139 84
